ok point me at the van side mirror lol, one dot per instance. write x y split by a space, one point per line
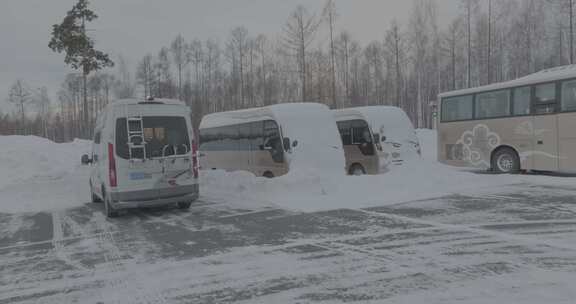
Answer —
85 160
286 143
384 138
294 144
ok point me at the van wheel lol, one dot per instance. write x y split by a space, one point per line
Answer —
184 205
268 174
357 170
95 198
505 160
110 212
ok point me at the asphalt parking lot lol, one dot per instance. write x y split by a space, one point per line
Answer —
453 249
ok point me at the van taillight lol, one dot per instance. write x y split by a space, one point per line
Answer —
112 166
195 158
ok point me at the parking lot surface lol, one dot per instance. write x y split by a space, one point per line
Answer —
515 246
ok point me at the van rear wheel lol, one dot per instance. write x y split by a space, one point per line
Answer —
108 209
357 170
184 205
95 198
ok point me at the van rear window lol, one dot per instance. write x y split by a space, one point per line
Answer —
162 136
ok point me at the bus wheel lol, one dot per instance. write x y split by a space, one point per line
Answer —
505 160
268 174
357 170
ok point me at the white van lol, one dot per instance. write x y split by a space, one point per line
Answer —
271 141
143 155
376 136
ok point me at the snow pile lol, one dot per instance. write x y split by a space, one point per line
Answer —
319 149
309 191
37 174
428 144
26 157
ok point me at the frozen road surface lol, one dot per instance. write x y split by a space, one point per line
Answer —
518 246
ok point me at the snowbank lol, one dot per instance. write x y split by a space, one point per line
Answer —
308 191
319 144
27 157
37 174
428 144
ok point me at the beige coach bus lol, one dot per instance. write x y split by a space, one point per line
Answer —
524 124
270 141
375 137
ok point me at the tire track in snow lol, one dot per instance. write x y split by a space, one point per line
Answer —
113 258
475 230
58 242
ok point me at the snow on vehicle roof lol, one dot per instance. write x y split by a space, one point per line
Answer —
548 75
221 119
135 101
385 120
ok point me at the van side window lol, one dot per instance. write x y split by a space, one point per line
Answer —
345 132
273 140
97 137
122 139
360 132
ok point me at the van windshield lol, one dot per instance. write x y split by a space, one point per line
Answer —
162 135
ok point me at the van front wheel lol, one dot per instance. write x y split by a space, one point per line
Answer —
357 170
184 205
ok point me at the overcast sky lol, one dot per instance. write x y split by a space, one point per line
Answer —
136 27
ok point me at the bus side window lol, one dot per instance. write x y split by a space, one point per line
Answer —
545 98
569 96
521 104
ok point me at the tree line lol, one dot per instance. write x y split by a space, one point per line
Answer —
310 61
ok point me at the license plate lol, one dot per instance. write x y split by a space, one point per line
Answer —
139 175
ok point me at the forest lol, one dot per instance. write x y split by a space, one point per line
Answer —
309 60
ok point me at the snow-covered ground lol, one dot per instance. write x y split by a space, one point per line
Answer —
492 239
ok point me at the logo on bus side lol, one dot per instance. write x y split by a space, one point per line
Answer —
477 144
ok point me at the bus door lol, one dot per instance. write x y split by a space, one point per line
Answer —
545 122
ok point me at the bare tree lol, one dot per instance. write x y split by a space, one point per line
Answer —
299 33
20 95
145 74
330 14
237 49
124 87
469 7
179 49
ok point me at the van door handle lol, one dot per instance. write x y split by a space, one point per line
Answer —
540 142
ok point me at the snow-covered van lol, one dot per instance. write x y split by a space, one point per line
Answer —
143 155
376 136
271 141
